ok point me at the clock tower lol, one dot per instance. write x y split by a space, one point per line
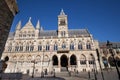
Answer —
62 25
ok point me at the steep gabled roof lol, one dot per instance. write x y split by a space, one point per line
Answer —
78 32
48 33
28 25
71 33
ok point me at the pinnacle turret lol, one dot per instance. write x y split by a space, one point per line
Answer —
18 25
29 19
41 29
38 25
62 12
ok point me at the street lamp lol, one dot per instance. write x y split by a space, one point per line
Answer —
94 66
109 46
33 68
42 73
98 55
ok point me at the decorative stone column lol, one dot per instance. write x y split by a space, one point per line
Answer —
78 63
69 62
87 65
59 65
51 65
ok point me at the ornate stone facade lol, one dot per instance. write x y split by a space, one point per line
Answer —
30 48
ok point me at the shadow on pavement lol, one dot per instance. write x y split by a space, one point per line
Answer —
47 78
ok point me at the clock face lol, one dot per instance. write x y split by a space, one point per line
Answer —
62 22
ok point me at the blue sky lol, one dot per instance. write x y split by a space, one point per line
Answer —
100 17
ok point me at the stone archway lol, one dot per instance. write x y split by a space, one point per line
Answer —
73 60
55 60
64 61
6 59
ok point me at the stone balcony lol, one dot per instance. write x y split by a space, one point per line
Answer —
63 50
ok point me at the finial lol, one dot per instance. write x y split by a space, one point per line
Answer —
29 19
38 25
62 12
41 29
18 25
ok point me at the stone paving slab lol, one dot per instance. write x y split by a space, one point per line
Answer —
108 75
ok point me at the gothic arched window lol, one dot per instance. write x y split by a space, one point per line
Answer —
91 59
9 48
47 47
80 47
82 59
62 33
55 47
16 48
21 48
88 46
63 45
39 47
24 35
31 47
27 47
71 46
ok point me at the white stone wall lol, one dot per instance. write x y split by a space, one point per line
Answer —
25 64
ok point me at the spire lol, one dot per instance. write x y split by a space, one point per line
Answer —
38 25
41 29
18 26
62 12
29 24
29 19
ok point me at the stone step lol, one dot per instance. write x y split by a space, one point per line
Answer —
65 73
63 69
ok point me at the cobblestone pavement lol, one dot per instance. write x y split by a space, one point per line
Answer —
108 75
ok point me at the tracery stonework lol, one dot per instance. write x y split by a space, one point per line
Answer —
61 49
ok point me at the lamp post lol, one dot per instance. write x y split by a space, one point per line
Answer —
33 68
94 70
42 73
99 63
109 46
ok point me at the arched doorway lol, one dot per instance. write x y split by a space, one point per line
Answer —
73 60
6 59
55 60
64 61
